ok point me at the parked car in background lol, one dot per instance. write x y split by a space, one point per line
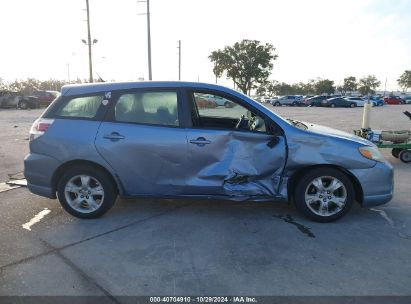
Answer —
315 101
394 100
289 100
270 100
338 102
375 100
9 99
407 99
217 100
149 139
203 101
358 100
45 98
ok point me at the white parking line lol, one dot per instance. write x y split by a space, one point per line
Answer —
37 218
7 187
13 184
18 182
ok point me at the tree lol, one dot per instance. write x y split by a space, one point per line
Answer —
3 85
264 88
350 85
247 63
368 84
405 80
322 86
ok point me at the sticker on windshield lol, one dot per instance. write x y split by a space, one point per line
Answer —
108 95
105 102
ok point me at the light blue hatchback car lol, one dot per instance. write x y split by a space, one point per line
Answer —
141 139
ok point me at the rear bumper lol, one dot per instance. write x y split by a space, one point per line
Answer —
39 170
377 184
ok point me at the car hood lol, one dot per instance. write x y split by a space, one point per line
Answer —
323 130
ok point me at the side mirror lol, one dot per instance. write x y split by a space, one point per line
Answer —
273 142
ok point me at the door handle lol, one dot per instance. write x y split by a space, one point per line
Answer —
114 136
201 141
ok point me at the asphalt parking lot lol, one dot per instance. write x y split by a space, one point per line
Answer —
184 247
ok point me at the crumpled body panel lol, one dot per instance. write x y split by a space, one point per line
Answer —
238 164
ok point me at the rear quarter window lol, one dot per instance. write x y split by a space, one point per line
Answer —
81 107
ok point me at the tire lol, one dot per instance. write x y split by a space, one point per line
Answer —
98 180
23 105
332 105
320 198
312 104
405 156
277 104
396 152
353 105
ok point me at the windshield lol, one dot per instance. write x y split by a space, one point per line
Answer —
295 123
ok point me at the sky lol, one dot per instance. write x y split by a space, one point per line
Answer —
330 39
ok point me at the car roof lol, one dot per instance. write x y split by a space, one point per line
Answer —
88 88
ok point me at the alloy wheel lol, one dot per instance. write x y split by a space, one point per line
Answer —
84 193
325 196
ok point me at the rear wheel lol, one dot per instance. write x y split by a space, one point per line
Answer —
86 191
353 105
324 194
396 152
332 105
405 156
23 105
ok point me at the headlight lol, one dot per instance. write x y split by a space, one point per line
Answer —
371 153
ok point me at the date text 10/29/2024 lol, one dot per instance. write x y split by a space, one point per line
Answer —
203 300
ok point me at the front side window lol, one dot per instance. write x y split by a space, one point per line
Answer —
156 108
81 107
214 111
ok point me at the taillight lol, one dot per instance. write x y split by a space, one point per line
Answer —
40 127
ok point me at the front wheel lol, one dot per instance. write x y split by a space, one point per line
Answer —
277 104
332 105
324 194
86 192
353 105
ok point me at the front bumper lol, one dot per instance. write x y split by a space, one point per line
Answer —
39 170
377 184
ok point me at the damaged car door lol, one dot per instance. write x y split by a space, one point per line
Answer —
233 151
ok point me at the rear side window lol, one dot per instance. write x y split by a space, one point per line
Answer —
156 108
81 107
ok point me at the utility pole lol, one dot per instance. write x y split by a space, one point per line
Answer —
150 76
385 86
179 59
68 71
90 63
